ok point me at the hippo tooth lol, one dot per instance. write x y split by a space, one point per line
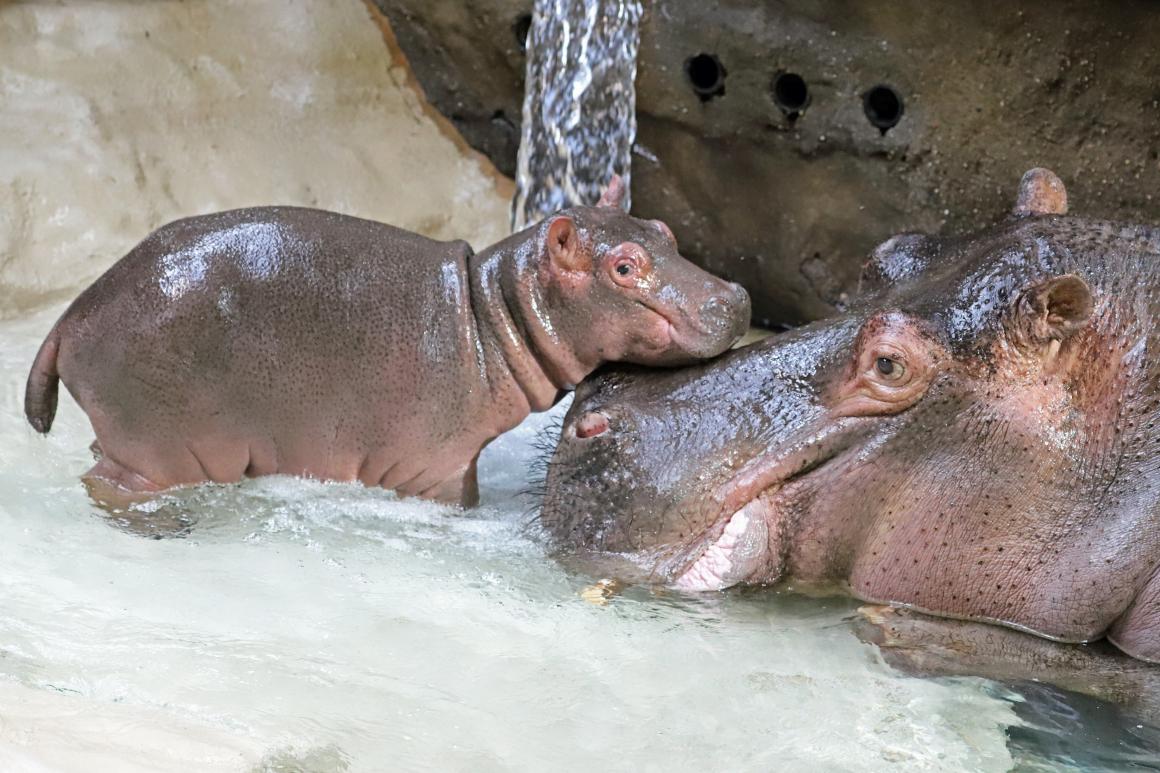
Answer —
736 554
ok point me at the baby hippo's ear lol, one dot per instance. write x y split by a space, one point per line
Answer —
564 248
613 195
1054 309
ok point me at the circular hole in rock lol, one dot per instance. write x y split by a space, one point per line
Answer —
707 75
883 107
521 28
790 93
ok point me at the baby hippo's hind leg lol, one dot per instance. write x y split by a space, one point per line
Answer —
922 645
113 486
120 492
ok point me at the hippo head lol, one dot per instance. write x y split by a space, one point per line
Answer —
616 288
975 437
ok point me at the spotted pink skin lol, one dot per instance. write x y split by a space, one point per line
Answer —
1010 473
293 341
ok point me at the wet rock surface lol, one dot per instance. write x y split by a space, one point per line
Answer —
783 140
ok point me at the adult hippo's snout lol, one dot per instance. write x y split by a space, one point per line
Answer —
686 451
976 438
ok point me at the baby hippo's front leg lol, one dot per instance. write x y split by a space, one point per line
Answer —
460 487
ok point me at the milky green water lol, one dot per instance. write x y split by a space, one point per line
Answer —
302 626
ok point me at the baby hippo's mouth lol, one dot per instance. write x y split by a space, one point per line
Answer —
739 553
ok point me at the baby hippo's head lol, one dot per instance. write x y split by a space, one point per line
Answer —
619 290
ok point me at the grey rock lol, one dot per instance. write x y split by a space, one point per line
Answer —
788 199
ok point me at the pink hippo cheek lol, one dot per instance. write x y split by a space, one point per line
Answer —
658 336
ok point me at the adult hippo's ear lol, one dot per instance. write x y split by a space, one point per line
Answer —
898 259
1041 192
1053 310
564 248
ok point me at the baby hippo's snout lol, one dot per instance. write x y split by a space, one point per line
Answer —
727 312
722 319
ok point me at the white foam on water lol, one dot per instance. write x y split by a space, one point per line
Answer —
303 626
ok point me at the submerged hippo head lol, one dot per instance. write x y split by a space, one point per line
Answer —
976 438
614 288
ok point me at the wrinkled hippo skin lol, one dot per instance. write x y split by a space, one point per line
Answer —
304 342
786 201
976 438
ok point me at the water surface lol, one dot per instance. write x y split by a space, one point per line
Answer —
304 626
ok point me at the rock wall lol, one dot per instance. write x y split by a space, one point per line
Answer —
119 116
783 140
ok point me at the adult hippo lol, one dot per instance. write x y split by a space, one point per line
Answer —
976 439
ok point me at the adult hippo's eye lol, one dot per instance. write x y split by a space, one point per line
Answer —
624 269
896 360
891 369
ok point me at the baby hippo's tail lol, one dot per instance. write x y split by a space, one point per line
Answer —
43 384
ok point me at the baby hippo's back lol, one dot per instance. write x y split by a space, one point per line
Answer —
275 340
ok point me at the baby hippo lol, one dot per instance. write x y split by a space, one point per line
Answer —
281 340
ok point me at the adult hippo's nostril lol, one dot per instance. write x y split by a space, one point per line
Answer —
591 424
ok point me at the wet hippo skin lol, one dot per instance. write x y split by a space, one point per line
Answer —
304 342
977 438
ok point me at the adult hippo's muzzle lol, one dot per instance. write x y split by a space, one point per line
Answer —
683 472
976 438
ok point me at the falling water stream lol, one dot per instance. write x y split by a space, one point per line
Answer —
579 118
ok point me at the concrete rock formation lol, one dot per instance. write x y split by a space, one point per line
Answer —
783 140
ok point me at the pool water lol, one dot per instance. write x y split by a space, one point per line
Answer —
299 626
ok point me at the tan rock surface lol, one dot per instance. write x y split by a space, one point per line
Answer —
120 116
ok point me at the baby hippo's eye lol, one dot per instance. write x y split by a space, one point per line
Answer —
891 369
627 265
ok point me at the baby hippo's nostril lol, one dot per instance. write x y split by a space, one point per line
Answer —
591 424
716 310
729 312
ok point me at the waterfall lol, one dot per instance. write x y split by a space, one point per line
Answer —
579 118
